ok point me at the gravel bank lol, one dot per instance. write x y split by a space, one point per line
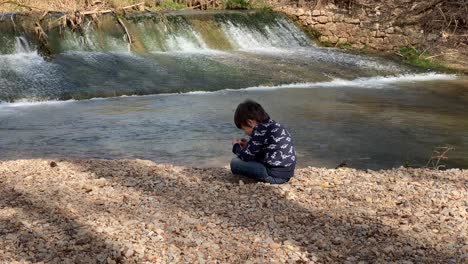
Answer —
135 211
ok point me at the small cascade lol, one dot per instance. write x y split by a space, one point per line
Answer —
108 36
172 53
279 33
175 32
183 33
22 45
16 34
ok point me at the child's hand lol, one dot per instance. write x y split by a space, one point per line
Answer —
243 143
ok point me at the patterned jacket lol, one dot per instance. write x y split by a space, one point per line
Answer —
270 144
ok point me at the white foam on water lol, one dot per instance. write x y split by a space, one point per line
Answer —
370 82
379 82
33 102
207 52
30 67
188 41
22 45
271 38
244 38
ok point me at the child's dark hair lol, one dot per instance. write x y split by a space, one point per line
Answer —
249 110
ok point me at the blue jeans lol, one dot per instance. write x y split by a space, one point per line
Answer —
254 170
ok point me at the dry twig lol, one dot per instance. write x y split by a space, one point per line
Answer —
438 154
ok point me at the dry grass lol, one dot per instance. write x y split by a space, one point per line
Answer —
61 5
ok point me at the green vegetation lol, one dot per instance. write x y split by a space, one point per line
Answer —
327 44
171 5
311 32
237 4
415 57
344 45
262 5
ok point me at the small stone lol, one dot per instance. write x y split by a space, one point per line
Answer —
274 245
388 249
129 252
337 240
323 39
322 19
300 12
390 30
53 164
334 254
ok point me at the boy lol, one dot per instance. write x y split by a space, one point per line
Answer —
269 155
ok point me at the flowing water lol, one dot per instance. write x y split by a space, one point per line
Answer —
170 97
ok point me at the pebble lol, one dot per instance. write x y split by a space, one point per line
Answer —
136 211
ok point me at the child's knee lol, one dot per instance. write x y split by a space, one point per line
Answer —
235 162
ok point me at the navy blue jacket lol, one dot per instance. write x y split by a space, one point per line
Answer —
271 145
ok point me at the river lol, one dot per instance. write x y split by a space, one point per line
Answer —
171 97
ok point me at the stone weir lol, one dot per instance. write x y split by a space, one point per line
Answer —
148 32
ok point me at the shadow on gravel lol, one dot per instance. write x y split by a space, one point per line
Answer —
216 200
40 230
327 235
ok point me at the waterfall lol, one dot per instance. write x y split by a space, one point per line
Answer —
22 45
182 33
177 53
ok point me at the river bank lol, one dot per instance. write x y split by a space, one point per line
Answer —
136 211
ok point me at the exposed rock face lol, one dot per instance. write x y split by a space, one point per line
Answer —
368 28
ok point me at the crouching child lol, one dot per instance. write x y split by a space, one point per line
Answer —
269 155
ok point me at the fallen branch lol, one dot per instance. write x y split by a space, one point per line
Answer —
195 7
447 53
41 35
127 33
43 15
97 12
416 14
132 6
110 10
43 40
438 154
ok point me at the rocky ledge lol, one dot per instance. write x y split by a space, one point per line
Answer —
135 211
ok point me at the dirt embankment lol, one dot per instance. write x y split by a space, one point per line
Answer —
135 211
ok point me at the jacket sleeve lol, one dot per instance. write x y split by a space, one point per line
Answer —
254 146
